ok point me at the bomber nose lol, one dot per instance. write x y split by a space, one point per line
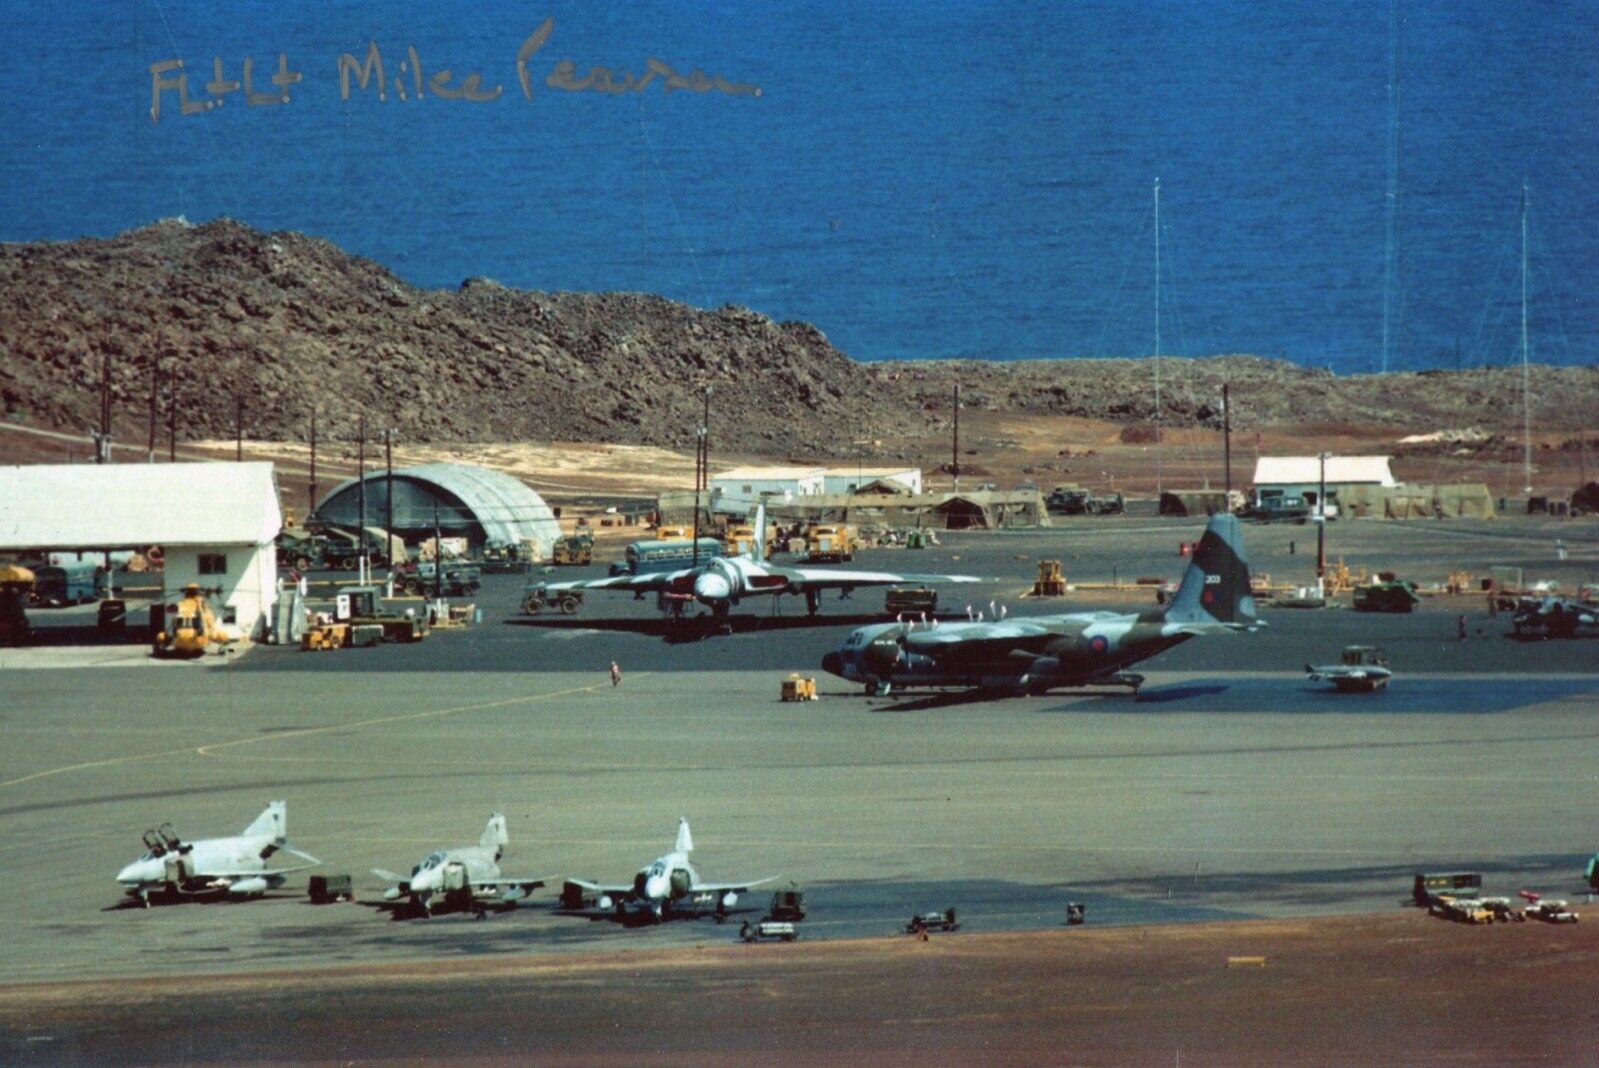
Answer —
712 587
833 664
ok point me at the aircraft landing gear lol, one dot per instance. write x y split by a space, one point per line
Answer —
1132 680
879 688
812 602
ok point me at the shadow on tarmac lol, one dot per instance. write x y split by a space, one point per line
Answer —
695 628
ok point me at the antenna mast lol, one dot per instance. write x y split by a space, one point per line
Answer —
1158 480
1526 394
1390 266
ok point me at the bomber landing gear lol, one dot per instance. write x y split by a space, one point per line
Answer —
1132 680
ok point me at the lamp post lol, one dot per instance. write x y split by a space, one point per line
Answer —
1321 526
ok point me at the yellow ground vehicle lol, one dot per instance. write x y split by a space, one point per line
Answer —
673 534
829 543
189 627
16 583
740 541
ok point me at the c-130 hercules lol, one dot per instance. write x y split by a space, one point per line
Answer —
1032 655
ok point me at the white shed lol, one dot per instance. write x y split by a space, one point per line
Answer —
216 523
743 487
849 479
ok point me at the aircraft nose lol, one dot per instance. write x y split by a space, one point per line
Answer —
424 881
712 587
133 873
833 664
655 887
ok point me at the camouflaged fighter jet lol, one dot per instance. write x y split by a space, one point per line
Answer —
1032 655
668 885
466 877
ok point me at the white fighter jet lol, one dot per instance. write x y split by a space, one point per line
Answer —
668 884
721 582
214 867
465 877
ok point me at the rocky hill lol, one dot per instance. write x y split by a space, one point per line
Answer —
292 323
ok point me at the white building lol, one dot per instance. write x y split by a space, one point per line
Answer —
742 488
216 524
849 479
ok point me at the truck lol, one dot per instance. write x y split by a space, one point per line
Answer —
418 578
1386 594
301 549
1279 508
1075 500
573 549
740 540
366 609
829 544
913 599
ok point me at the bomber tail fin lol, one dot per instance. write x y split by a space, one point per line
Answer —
758 543
1215 588
685 841
494 834
273 823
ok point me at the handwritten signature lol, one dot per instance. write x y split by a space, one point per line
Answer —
410 81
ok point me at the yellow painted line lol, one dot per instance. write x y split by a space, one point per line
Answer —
206 750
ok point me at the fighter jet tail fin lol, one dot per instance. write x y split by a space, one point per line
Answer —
494 834
685 841
758 543
273 823
1215 588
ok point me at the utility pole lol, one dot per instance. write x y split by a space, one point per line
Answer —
102 436
438 555
1227 445
702 468
311 507
388 494
955 441
360 496
238 429
1321 525
155 376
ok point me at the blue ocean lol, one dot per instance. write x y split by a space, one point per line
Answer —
933 179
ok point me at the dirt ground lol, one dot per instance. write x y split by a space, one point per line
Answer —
1397 988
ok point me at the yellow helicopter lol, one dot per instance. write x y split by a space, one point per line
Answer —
190 625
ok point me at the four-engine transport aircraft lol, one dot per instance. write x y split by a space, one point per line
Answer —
214 867
668 884
1032 655
720 583
466 877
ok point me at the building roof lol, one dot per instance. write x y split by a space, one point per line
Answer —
1306 470
112 506
768 474
507 509
870 472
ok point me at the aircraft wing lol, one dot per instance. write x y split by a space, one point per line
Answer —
734 888
980 639
267 874
625 890
830 578
659 580
1346 671
510 888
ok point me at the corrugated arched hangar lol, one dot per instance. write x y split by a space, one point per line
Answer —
484 506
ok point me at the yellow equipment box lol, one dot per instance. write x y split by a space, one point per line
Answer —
796 688
324 636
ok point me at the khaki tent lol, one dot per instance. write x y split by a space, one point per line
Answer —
1421 501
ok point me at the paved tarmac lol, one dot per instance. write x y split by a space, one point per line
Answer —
1229 787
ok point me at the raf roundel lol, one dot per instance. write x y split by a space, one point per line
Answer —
1099 643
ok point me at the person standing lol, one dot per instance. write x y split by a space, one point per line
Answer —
616 674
